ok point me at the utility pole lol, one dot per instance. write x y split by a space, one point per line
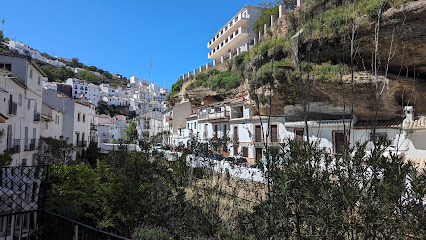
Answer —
2 25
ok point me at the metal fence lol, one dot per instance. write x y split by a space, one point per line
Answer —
22 195
59 227
23 213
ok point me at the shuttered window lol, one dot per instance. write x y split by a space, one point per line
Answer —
274 133
257 134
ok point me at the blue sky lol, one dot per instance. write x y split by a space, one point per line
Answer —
120 36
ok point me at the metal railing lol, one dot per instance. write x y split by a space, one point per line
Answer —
13 108
15 146
59 227
82 144
36 117
33 144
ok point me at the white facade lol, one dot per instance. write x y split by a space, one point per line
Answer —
20 111
26 50
52 122
80 119
234 37
86 92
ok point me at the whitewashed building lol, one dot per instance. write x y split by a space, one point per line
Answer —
83 91
52 122
80 119
21 95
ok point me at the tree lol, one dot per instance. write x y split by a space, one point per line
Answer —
89 76
91 154
55 151
131 133
57 74
5 158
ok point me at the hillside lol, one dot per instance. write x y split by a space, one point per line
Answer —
325 45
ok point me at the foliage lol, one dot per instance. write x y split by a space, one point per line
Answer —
353 196
91 154
131 133
77 192
216 80
55 151
89 76
57 74
266 72
150 233
269 8
111 110
5 158
176 87
76 64
329 19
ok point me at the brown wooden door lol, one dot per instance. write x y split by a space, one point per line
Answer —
236 134
258 153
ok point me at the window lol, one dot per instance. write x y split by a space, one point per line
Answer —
75 87
6 66
379 135
274 133
31 74
195 125
339 141
78 117
38 80
245 151
24 162
215 131
29 103
188 125
257 133
236 134
20 100
235 150
84 117
298 134
225 129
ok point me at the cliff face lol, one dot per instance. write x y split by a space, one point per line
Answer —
402 51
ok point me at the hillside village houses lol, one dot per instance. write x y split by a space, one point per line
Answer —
26 50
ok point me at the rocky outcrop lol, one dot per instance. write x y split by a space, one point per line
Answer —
401 80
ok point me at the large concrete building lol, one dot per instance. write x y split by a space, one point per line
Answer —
234 37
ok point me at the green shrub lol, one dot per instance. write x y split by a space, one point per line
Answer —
216 80
150 233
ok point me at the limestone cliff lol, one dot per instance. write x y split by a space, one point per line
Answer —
402 31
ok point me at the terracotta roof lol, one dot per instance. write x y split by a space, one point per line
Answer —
418 123
120 117
380 124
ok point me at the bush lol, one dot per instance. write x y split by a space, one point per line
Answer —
216 80
150 233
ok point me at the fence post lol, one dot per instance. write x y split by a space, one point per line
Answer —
76 232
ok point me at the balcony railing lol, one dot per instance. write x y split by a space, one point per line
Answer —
226 28
228 40
81 143
13 108
33 144
222 114
36 117
15 146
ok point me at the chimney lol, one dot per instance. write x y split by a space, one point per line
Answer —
409 113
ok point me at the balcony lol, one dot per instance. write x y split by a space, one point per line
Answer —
223 48
81 144
33 144
15 146
13 108
231 26
36 117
